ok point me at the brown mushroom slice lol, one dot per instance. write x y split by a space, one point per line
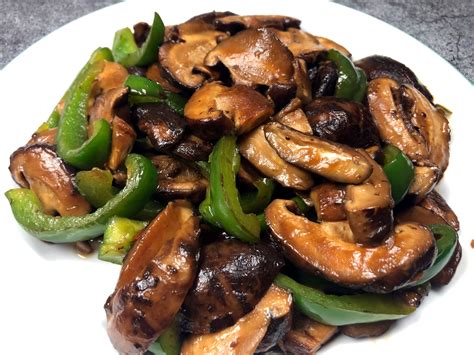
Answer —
367 330
297 120
156 73
435 203
324 79
256 149
377 66
237 23
233 277
113 76
245 336
162 125
254 57
301 78
328 201
418 214
193 148
39 168
342 121
301 44
184 61
178 179
330 44
426 178
160 267
331 160
105 105
433 125
368 206
123 138
205 120
44 137
306 336
408 250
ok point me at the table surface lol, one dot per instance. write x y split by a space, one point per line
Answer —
446 26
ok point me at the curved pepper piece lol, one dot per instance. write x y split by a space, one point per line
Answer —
343 310
126 51
222 206
255 202
98 55
352 82
73 143
399 170
141 183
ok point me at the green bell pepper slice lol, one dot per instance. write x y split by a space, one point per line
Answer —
351 82
96 186
446 240
343 310
119 236
399 170
98 55
255 202
143 90
126 51
72 141
27 209
169 341
222 205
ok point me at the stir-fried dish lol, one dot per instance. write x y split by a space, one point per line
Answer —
261 189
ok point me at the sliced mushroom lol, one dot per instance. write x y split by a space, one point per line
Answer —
342 121
159 269
113 76
418 214
39 168
140 32
215 110
184 60
162 125
245 336
408 250
301 78
377 66
193 148
123 138
324 79
254 57
297 120
368 206
301 44
256 149
435 203
156 73
107 104
367 330
328 200
332 160
426 178
237 23
406 119
233 277
306 336
330 44
44 137
178 179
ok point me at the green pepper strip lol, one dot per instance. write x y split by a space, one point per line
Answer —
73 144
399 170
222 206
27 209
98 55
143 90
255 202
126 51
118 238
446 240
343 310
351 82
169 341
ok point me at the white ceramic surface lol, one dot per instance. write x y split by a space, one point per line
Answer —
52 301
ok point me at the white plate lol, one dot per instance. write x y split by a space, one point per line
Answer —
52 301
